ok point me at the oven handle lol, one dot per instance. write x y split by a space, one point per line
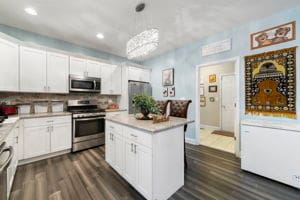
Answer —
87 119
7 162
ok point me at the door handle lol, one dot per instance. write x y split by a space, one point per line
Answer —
131 147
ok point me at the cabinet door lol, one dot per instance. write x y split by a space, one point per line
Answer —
36 141
106 73
144 171
145 75
9 66
130 165
93 68
57 73
78 66
32 70
119 153
133 73
61 137
109 148
116 80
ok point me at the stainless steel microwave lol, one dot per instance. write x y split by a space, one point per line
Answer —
84 84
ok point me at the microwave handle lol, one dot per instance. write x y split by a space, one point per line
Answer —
95 84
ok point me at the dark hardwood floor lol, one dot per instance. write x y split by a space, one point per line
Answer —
85 175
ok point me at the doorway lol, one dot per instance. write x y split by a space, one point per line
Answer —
217 115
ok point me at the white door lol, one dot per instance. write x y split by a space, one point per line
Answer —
57 73
227 102
36 141
144 171
9 66
61 137
93 68
110 148
78 66
130 166
119 153
33 66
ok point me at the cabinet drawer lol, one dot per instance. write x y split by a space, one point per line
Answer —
138 136
114 128
46 121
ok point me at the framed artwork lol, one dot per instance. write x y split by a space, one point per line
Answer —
165 92
270 83
212 88
168 77
212 78
201 90
202 101
212 99
275 35
172 92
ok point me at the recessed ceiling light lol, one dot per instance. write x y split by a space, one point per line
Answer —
100 36
30 11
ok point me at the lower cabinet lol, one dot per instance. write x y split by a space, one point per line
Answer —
52 136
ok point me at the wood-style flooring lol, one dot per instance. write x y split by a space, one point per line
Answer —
212 174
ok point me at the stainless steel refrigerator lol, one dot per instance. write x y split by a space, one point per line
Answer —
136 87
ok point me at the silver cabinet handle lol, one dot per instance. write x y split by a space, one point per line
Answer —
134 135
135 149
131 147
17 140
112 136
52 128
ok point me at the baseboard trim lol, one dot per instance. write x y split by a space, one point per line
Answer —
30 160
210 127
191 141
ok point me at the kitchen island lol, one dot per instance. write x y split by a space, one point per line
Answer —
149 156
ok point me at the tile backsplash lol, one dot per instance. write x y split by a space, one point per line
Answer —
13 98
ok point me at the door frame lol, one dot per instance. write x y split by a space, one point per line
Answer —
220 95
236 60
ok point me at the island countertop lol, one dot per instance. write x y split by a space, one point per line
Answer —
148 125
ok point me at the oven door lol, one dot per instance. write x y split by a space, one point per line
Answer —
84 84
88 128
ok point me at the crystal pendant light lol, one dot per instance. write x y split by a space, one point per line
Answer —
143 43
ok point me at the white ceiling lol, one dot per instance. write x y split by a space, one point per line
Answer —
179 21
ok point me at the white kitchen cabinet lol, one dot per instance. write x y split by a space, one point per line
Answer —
139 74
9 66
47 135
110 152
33 74
57 73
130 163
93 68
111 76
78 66
60 137
36 141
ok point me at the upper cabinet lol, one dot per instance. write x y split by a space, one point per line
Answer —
33 73
83 67
9 66
139 74
57 73
111 79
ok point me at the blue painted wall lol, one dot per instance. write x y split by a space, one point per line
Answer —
185 60
57 44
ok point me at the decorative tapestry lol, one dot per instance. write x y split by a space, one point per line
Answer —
270 83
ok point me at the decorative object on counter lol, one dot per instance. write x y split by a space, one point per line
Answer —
146 104
202 101
275 35
41 106
168 77
212 78
172 92
145 42
24 108
112 106
212 99
201 90
160 118
212 88
165 92
270 81
57 106
8 109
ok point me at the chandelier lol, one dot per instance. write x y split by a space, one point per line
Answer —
143 43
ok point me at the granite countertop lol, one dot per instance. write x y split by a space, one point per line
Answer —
115 110
8 124
147 125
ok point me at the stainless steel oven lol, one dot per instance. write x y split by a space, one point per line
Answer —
84 84
88 124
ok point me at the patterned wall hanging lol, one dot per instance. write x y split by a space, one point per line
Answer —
270 83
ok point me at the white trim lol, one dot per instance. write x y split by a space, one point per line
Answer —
237 110
191 141
209 127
